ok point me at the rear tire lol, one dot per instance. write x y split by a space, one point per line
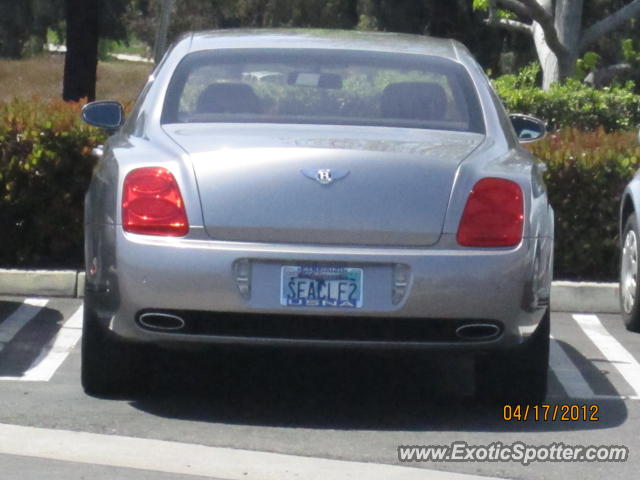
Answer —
110 367
518 377
629 288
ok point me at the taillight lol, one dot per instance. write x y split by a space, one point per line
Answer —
493 215
152 203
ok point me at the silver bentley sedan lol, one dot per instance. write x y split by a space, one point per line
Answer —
318 189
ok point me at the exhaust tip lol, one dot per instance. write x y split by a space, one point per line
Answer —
478 331
162 321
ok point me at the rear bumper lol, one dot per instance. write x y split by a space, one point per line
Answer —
445 288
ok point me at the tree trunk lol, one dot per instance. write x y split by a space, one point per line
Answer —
562 21
568 21
81 60
568 24
548 60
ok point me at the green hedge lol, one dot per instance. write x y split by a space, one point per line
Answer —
45 167
46 163
586 176
572 103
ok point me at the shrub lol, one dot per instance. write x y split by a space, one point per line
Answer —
586 176
572 103
45 167
46 164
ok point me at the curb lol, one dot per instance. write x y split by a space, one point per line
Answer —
584 297
577 297
45 283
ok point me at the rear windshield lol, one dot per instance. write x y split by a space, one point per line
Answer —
334 87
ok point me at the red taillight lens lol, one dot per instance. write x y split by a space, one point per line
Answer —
493 215
152 204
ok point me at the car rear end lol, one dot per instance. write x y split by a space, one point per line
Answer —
295 213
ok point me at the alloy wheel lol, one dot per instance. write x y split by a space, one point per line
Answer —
629 271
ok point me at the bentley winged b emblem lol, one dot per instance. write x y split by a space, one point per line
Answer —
325 175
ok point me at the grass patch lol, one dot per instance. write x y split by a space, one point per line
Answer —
42 77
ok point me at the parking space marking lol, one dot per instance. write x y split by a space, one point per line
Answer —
13 323
55 352
614 352
199 460
567 372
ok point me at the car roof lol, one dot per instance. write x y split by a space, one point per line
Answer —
324 39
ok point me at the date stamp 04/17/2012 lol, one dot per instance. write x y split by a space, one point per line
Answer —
551 413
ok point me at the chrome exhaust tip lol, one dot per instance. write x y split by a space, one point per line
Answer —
162 321
478 331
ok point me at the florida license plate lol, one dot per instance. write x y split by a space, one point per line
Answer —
321 286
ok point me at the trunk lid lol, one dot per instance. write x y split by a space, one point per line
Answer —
263 183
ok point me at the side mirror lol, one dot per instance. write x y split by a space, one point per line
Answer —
528 128
107 115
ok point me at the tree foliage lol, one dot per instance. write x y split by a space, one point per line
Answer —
24 24
559 29
453 19
24 20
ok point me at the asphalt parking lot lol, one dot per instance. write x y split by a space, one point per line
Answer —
273 414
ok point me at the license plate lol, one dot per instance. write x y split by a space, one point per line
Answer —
321 286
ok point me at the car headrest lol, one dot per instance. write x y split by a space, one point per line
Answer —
414 101
228 98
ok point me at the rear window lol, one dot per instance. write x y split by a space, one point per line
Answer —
334 87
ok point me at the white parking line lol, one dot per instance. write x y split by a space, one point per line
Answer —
55 352
13 323
567 373
192 459
613 350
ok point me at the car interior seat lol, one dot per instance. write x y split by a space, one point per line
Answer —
414 101
228 98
